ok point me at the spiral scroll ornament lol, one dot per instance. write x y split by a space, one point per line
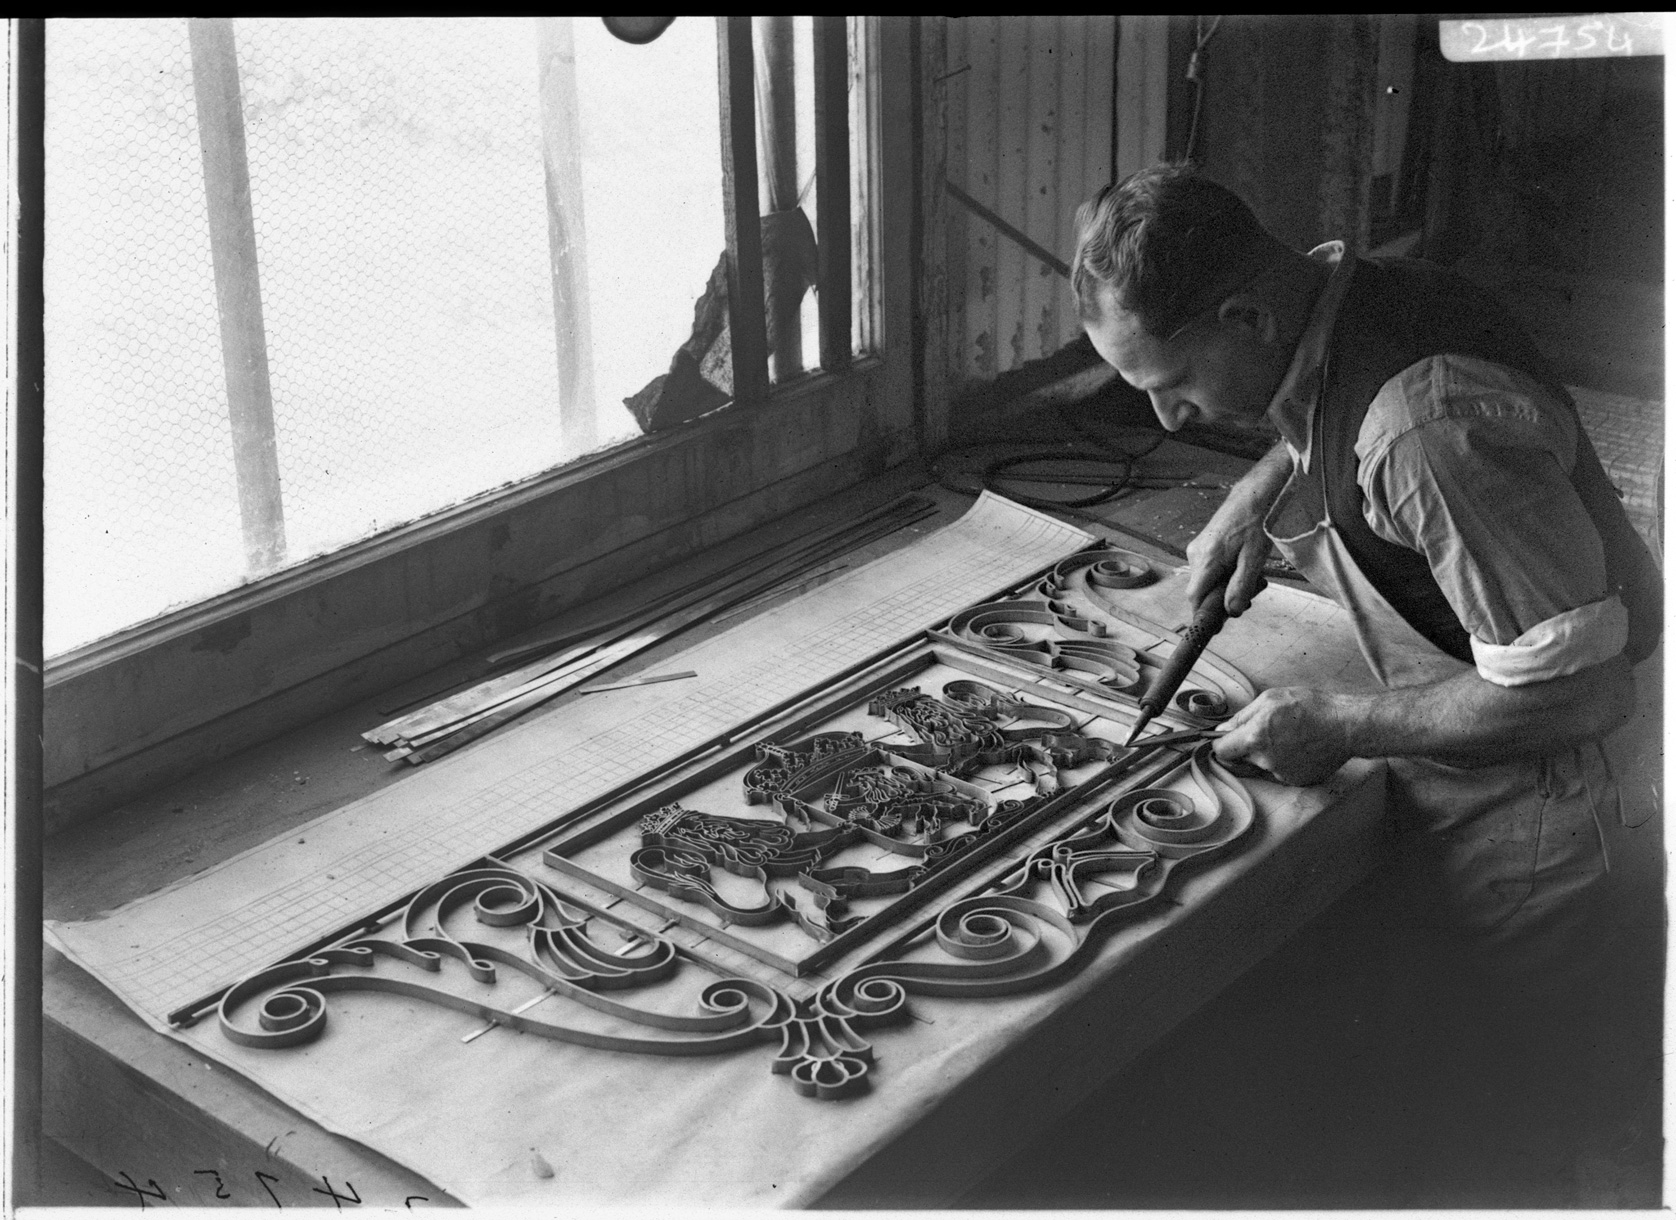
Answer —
482 926
1203 706
1050 635
1051 624
1045 627
285 1005
1064 620
1043 919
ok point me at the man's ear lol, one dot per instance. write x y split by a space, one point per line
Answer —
1250 314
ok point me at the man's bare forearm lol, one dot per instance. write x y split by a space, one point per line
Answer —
1304 735
1469 720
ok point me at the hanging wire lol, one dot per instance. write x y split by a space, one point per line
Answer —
1196 74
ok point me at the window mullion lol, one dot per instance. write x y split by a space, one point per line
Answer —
238 290
561 147
832 187
746 316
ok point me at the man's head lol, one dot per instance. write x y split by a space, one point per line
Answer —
1184 292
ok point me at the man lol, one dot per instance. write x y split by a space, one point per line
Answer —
1433 478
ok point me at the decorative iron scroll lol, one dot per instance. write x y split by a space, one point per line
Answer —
1045 626
1035 927
1051 635
845 791
1050 623
1200 704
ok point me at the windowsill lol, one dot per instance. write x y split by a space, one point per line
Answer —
137 709
321 568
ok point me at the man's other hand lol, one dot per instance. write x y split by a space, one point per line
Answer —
1217 552
1233 545
1294 733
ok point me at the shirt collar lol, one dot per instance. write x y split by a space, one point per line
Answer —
1293 406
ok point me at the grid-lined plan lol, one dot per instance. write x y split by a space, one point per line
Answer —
169 949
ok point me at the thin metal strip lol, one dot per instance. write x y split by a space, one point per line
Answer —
514 704
809 550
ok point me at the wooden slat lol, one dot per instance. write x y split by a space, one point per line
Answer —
1039 213
930 310
1074 154
1030 130
957 228
776 101
561 149
867 239
894 68
746 318
832 188
982 163
1092 138
1012 187
775 52
238 290
1142 85
1101 87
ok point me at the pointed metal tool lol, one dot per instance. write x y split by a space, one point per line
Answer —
1207 621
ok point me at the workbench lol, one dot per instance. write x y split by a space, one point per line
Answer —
952 1099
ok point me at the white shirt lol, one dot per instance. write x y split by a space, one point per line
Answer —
1468 462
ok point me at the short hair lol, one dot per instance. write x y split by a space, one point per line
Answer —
1169 242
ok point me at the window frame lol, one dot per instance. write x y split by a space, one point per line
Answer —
149 704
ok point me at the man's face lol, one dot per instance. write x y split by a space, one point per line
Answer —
1213 371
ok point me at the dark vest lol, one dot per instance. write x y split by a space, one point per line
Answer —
1395 313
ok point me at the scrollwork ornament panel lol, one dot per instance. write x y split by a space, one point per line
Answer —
1062 621
454 942
835 790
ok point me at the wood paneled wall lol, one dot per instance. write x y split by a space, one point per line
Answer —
1034 113
1029 106
1289 121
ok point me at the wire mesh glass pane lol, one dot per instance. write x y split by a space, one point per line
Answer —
652 189
422 192
401 229
141 511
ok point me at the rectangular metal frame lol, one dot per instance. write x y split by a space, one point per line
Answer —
612 813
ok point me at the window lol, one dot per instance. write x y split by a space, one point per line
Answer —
464 245
312 279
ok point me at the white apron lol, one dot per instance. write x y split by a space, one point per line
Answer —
1512 852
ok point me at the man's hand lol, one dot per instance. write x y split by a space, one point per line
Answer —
1302 736
1296 734
1233 543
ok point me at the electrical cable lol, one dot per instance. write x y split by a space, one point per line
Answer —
998 469
1098 450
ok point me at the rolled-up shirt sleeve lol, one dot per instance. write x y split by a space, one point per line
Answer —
1468 463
